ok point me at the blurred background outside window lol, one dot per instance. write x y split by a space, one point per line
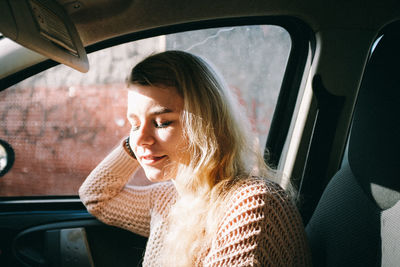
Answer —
62 123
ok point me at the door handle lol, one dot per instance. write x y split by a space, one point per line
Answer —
74 248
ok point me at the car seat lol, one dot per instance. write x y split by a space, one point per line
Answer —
357 220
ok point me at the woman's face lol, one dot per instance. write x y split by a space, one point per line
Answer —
156 136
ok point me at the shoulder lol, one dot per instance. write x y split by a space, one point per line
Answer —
260 201
257 188
262 211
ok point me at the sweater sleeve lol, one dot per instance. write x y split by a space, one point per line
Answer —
261 228
106 196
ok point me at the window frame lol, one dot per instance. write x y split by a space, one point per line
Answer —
301 40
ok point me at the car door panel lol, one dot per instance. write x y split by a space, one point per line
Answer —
65 238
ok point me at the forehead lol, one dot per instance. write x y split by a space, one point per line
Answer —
144 98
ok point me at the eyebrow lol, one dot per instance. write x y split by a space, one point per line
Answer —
160 110
155 111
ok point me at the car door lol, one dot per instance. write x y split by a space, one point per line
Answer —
58 124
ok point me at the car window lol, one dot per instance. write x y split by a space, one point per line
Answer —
62 123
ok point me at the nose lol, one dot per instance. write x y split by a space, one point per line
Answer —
143 136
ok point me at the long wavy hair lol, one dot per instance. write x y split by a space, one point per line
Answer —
222 150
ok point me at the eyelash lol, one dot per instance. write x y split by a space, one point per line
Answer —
157 125
162 125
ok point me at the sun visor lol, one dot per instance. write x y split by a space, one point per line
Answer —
44 27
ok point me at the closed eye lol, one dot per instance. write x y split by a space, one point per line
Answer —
163 124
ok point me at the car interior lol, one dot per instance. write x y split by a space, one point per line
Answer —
318 80
366 183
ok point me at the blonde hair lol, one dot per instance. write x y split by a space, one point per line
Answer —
221 148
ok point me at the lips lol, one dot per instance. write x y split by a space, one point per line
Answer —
151 160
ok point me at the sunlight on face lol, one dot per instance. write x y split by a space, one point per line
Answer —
157 136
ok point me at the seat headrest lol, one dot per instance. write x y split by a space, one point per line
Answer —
374 144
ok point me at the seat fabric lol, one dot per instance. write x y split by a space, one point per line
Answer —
346 227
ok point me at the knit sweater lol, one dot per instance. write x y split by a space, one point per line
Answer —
261 226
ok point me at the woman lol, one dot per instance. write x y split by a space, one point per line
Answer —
213 205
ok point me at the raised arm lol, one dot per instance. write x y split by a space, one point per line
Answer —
261 228
106 196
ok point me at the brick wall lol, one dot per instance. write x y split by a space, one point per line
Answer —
62 123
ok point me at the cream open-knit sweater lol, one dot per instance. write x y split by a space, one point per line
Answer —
261 226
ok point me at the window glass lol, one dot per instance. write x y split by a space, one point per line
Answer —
62 123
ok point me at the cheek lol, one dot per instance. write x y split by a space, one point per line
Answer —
166 136
175 143
170 135
182 150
